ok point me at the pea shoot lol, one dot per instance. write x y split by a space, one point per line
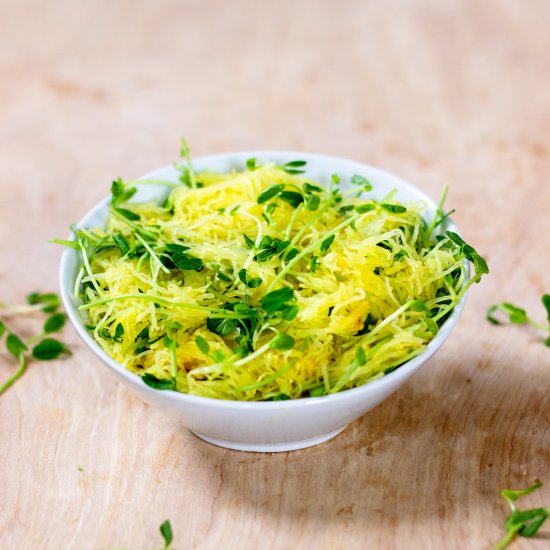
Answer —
523 523
517 315
41 347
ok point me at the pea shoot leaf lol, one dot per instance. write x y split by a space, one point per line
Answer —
318 391
360 356
292 197
221 327
276 300
546 304
362 208
270 193
166 532
248 241
187 262
119 333
326 244
515 314
50 301
158 383
202 344
15 345
294 167
418 305
393 208
121 243
309 188
282 342
65 242
313 202
361 181
470 253
128 214
49 349
54 323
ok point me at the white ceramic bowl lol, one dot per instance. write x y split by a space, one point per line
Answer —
274 425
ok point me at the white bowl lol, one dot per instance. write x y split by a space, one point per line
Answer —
269 426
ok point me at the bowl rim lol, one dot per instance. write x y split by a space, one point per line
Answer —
386 382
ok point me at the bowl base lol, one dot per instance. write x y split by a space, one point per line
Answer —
270 447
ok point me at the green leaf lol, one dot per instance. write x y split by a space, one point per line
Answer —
418 305
121 243
393 208
282 342
202 344
159 383
510 495
292 197
50 300
529 520
345 209
3 328
119 333
360 181
360 356
432 325
187 261
318 391
49 349
313 202
269 193
54 323
255 282
64 242
292 253
218 356
279 397
175 247
251 164
221 327
326 244
15 345
489 314
248 241
480 265
266 241
516 314
128 214
309 188
117 190
313 264
289 313
546 304
399 255
363 208
242 276
166 532
294 167
274 301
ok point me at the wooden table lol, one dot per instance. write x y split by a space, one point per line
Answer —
437 92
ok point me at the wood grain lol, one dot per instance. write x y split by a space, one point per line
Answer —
437 92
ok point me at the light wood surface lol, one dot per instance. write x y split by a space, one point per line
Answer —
437 92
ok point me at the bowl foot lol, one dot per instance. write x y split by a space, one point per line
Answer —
270 447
